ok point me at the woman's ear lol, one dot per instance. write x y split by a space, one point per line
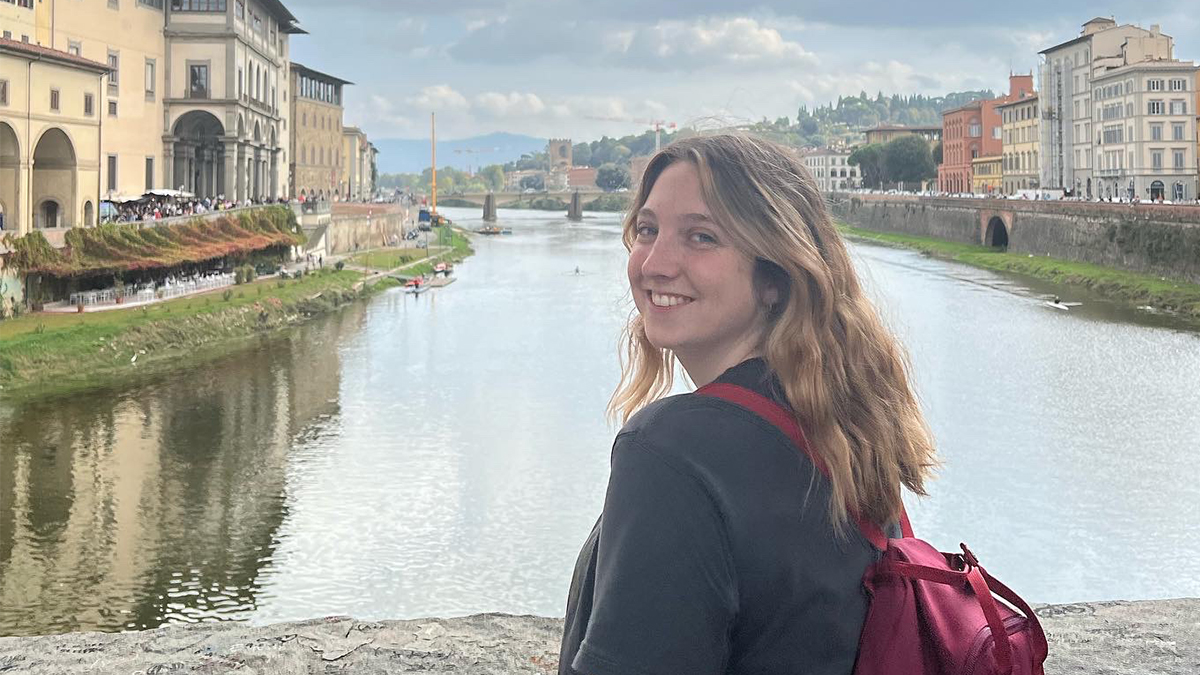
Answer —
771 283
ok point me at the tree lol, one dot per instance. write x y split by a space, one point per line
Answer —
869 160
937 153
536 181
493 177
612 177
581 154
907 160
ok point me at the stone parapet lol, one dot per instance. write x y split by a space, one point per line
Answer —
1129 638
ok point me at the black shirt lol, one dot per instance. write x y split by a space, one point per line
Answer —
714 552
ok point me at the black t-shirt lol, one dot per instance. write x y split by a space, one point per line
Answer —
714 552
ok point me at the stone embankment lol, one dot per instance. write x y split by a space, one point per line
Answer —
1155 239
1133 638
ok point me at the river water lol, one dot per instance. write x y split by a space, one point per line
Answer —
447 453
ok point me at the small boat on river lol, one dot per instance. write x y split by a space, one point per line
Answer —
490 229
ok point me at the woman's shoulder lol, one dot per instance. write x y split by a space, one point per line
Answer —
694 429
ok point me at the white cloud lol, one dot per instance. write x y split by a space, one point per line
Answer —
439 97
707 42
511 104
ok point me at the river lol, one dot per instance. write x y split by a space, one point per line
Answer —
447 454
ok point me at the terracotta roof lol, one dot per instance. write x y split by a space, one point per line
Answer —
1013 101
901 127
312 71
977 103
39 52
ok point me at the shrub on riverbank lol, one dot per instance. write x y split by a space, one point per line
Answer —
613 201
53 352
1138 289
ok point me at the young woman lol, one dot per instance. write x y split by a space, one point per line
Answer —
722 548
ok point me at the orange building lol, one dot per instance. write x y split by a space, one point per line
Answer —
972 131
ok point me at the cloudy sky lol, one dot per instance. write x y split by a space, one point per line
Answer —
552 67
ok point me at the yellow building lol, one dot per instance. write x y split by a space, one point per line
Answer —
49 138
885 133
358 173
195 97
1019 135
986 175
318 149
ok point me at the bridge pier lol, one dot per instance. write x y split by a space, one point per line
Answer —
575 210
489 208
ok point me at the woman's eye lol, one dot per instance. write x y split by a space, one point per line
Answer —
702 238
646 231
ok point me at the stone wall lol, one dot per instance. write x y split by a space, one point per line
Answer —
364 226
1162 240
1130 638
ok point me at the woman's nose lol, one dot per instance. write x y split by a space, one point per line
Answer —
662 260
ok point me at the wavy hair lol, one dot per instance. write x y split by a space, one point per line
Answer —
844 375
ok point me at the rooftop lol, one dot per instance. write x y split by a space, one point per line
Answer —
901 127
38 52
300 68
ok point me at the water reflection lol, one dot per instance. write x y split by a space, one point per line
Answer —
447 453
158 502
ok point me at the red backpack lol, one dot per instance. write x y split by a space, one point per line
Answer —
930 612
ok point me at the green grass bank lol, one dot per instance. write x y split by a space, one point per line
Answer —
54 353
1178 297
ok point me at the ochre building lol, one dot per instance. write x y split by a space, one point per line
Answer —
318 156
49 137
194 97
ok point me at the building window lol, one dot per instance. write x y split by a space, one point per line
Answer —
89 105
3 92
74 48
1155 108
54 100
149 173
198 5
1179 157
1156 132
240 10
1178 107
112 108
198 81
240 90
114 77
1156 159
112 173
150 67
1177 132
1178 85
156 4
1154 85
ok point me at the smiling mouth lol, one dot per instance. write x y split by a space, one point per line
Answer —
667 300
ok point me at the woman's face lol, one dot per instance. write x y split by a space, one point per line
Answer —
693 289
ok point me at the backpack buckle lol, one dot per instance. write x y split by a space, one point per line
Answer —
968 557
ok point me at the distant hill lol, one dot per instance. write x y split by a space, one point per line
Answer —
400 155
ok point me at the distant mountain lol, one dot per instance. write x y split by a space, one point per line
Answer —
401 155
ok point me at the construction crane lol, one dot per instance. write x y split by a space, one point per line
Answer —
657 124
474 151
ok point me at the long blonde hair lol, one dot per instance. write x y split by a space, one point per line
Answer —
842 372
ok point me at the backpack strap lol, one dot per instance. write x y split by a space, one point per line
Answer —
783 420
